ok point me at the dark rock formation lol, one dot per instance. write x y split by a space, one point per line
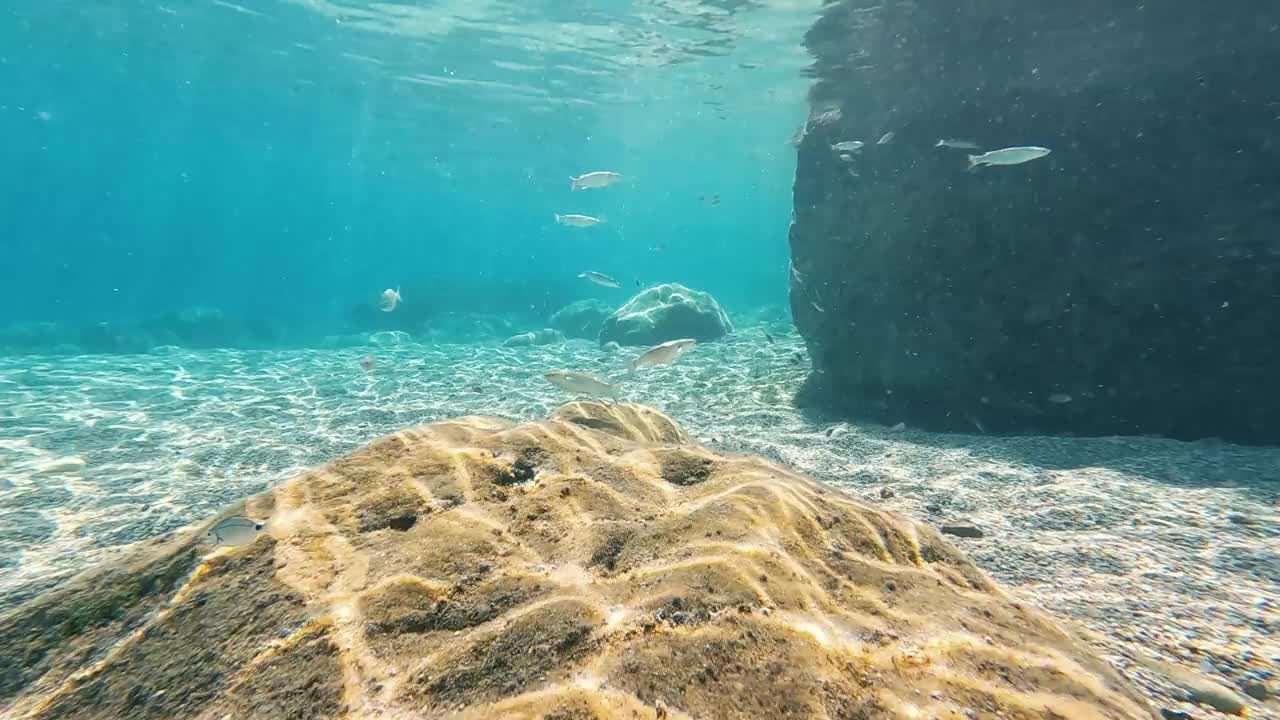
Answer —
582 319
666 312
1129 283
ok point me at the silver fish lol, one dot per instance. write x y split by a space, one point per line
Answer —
885 139
662 353
390 299
958 144
1008 156
1060 398
600 279
578 220
580 383
238 530
593 180
848 146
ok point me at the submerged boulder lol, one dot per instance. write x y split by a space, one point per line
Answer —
582 319
469 327
666 312
1116 286
598 564
34 337
545 336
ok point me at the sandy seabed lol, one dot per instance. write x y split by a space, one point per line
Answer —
1160 548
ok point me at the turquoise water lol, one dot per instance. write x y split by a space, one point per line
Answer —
203 202
281 163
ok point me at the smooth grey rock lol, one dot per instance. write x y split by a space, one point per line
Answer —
581 319
666 312
546 336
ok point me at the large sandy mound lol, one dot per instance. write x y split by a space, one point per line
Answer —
595 565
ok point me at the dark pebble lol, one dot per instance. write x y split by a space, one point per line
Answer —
962 530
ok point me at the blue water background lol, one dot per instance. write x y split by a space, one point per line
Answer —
284 162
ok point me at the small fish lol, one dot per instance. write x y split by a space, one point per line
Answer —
899 427
580 383
600 279
817 307
846 157
390 299
638 284
578 220
958 144
848 146
593 180
367 362
662 354
238 530
885 139
768 337
1008 156
1060 398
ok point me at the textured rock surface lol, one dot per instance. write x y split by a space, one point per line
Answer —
582 319
594 565
666 312
1133 270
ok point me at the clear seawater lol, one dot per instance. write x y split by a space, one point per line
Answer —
283 161
218 192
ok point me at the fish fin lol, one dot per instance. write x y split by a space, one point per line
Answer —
973 163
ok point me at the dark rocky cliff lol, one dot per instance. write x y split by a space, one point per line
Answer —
1135 270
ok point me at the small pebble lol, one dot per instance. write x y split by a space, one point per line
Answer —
1255 689
886 492
968 530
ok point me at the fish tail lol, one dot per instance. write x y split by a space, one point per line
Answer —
973 163
557 217
573 183
604 219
